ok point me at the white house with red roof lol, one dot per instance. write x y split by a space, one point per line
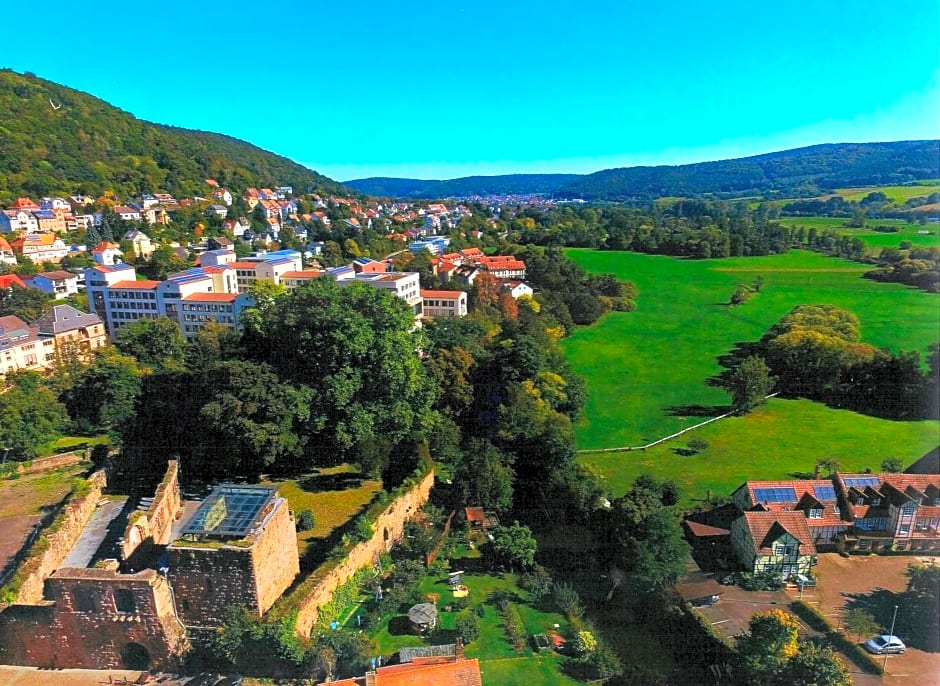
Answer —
7 256
40 247
107 253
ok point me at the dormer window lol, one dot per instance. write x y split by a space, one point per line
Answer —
876 501
835 508
815 513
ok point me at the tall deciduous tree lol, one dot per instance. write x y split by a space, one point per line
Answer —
357 347
749 384
815 665
515 545
31 417
104 392
156 343
772 641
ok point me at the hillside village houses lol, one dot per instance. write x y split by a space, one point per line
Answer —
216 289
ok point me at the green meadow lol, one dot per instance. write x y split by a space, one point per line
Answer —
647 369
875 240
897 194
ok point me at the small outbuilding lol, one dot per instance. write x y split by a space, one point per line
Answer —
423 617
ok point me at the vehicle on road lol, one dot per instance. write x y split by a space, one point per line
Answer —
885 644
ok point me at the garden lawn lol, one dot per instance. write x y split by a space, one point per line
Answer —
875 240
499 662
335 494
773 442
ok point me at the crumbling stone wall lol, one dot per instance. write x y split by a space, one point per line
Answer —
98 619
54 547
389 528
155 526
210 577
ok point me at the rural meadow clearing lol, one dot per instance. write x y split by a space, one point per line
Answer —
647 370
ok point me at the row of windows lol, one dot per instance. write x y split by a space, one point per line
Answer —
134 295
120 305
207 308
222 319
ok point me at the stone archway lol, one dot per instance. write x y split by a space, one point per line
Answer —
135 656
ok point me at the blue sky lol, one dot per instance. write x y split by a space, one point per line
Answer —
451 87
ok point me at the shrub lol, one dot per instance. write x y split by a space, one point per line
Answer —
568 600
537 582
468 626
697 445
305 520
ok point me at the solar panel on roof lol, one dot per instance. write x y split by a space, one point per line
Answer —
825 492
782 494
861 481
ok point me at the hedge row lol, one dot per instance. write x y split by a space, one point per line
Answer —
811 616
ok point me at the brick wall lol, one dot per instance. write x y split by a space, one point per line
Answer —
67 527
98 619
155 526
389 528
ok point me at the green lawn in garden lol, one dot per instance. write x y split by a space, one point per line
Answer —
335 494
647 369
783 437
875 240
500 664
67 443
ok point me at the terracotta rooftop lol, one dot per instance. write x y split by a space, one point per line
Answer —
461 673
145 285
763 523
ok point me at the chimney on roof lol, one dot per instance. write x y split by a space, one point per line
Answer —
458 649
371 678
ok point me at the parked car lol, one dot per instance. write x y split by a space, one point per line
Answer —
880 645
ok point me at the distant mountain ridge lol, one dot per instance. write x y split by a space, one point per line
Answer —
811 170
55 140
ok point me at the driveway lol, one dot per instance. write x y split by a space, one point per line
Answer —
874 583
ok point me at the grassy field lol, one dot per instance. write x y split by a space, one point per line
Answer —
32 493
647 369
875 240
335 494
897 194
783 437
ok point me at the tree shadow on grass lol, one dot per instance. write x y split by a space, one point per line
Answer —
400 626
685 452
698 410
916 623
315 483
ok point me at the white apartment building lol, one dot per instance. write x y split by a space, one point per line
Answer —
444 303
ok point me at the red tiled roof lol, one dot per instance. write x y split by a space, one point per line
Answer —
57 275
305 274
440 294
243 265
705 530
9 280
475 514
460 673
763 523
138 285
211 297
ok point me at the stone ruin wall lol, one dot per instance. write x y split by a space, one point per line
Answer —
155 526
389 528
211 578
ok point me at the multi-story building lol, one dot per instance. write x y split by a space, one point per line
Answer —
198 309
22 348
59 283
7 256
267 267
18 221
847 512
72 331
40 247
444 303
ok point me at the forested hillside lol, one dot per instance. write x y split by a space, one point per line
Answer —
56 140
803 172
508 184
